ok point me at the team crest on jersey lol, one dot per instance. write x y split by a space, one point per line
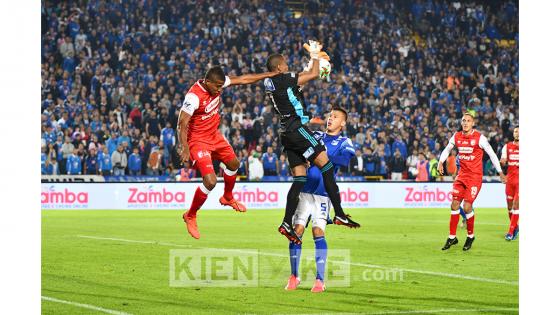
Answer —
268 85
473 142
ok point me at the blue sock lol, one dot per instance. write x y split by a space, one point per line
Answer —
462 213
320 256
295 253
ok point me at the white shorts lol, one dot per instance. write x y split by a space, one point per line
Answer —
316 206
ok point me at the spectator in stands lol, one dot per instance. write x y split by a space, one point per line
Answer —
44 158
412 163
91 162
135 163
270 162
51 167
380 162
119 161
397 165
432 166
155 162
357 164
104 162
256 170
422 168
67 149
168 137
74 164
369 162
283 166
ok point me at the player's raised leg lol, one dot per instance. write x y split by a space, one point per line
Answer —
230 175
201 194
327 171
299 173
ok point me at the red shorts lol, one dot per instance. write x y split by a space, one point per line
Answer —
466 188
512 190
214 147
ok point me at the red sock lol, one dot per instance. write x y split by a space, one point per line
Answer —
509 214
229 182
513 222
453 221
470 224
199 198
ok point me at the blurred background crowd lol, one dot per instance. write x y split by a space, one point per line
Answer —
115 73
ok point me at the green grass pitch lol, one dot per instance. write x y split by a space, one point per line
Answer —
118 261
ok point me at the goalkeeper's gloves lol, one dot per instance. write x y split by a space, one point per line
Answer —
314 48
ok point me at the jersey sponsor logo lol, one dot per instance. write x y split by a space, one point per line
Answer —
465 150
212 105
514 157
466 157
474 190
202 154
269 85
210 115
293 74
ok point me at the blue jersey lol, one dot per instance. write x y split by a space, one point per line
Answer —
74 165
134 162
340 150
168 136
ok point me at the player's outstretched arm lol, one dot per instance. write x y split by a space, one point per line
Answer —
251 78
310 75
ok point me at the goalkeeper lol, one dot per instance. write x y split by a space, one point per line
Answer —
299 145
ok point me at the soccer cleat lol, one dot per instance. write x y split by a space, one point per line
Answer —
515 233
236 205
293 283
191 225
319 286
287 230
450 242
338 220
468 243
509 237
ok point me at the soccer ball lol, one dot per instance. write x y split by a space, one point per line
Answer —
324 69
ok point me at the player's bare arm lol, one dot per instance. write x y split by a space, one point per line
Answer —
182 127
251 78
503 159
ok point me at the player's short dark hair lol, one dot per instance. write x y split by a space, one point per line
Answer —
216 73
273 61
342 110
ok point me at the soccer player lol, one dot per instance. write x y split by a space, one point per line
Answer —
314 203
201 141
510 155
299 144
471 145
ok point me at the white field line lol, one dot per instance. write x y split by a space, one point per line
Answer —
424 272
88 306
441 310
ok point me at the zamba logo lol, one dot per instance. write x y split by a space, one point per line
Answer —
350 195
154 196
64 197
427 195
256 195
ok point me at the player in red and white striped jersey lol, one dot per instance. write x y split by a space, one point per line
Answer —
201 141
510 155
471 145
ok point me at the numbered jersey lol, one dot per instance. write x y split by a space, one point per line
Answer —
470 152
204 109
511 153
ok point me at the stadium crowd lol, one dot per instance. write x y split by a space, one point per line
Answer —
114 75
